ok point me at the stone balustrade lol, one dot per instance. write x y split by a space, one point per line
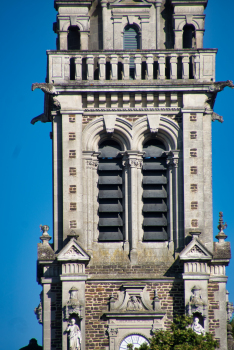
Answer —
138 65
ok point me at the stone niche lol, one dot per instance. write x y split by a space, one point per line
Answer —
133 315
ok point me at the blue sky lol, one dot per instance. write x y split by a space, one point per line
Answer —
26 175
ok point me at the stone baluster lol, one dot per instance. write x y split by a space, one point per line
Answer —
196 67
185 62
126 59
66 62
150 66
78 68
137 61
173 62
90 66
114 67
102 67
161 66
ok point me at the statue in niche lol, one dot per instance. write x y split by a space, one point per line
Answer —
134 304
196 327
74 335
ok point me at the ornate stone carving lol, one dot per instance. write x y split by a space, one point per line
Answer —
72 252
45 87
134 109
135 163
221 226
134 303
215 116
112 331
196 303
38 310
73 306
196 251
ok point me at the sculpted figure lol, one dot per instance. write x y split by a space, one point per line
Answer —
196 327
74 335
134 303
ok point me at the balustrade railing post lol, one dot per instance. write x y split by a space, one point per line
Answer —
161 66
90 67
150 66
114 67
78 68
137 61
173 63
196 67
185 62
126 59
66 62
102 67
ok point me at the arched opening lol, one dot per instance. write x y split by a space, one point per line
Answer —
154 185
73 38
110 194
131 41
189 37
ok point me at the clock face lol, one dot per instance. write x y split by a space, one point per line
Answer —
134 339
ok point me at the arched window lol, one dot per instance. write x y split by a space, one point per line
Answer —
154 191
189 41
110 192
73 38
131 41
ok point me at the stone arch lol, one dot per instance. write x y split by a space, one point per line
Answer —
67 24
181 24
95 131
167 133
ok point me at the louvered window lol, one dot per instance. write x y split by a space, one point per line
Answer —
131 41
154 191
110 192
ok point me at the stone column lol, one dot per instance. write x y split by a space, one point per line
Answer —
178 39
102 67
90 67
66 66
173 62
161 66
114 67
63 40
84 40
104 23
78 68
185 62
199 38
126 59
158 17
150 66
117 37
46 317
137 62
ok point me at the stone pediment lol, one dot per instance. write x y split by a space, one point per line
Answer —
134 301
73 252
195 250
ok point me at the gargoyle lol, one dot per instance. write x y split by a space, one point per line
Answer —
45 87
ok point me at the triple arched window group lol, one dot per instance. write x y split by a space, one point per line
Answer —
111 195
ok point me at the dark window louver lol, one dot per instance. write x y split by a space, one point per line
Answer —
154 192
131 41
110 194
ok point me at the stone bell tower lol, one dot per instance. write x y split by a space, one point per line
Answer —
130 93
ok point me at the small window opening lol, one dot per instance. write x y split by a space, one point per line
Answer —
73 38
189 38
131 41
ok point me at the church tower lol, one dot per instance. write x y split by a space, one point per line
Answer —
130 93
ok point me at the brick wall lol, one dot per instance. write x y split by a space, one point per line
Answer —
171 295
213 305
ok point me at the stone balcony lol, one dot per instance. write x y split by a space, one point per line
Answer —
157 66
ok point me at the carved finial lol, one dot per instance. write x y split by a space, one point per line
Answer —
45 238
221 226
